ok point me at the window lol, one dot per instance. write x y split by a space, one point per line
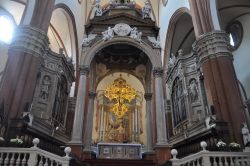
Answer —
235 32
6 29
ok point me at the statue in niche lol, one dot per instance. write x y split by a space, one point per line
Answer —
178 102
134 34
146 10
60 103
108 34
193 91
98 8
245 134
45 87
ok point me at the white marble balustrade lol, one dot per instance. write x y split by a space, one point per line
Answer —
209 158
32 156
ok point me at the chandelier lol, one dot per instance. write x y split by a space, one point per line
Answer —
121 94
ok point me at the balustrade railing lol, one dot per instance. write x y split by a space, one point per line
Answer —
209 158
33 156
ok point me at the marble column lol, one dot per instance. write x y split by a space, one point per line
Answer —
148 98
215 58
89 126
80 105
24 59
159 105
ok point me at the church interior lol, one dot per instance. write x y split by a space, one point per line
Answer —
124 82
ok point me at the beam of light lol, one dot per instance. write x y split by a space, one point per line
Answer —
6 29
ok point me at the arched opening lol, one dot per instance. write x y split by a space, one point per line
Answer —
119 68
62 36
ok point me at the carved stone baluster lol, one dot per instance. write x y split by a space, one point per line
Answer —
24 159
226 161
46 162
220 162
1 158
5 160
236 161
40 162
214 161
18 159
12 159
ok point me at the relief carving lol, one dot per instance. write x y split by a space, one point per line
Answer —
193 91
45 88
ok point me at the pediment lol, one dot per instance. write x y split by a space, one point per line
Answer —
121 18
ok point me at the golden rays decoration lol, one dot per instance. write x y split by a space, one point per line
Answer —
121 94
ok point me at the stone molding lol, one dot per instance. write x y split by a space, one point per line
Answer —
158 72
30 40
84 70
148 96
212 45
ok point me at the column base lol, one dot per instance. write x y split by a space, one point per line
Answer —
162 153
150 155
87 155
76 149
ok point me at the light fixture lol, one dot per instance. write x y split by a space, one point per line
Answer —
6 29
120 93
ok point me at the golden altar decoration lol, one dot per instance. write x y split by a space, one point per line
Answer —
120 93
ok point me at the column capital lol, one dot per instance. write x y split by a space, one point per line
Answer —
84 70
148 96
30 40
212 45
92 94
158 72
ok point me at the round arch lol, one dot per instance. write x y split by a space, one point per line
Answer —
170 33
153 54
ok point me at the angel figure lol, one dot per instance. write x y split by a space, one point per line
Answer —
155 42
146 10
88 39
108 34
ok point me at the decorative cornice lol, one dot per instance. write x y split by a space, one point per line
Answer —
30 40
148 96
84 70
158 72
212 45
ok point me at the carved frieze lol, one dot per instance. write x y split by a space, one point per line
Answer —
212 45
30 40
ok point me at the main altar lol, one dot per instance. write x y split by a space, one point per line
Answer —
119 151
118 122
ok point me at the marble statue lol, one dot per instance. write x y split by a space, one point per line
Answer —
246 135
108 34
146 10
155 42
180 52
98 8
172 61
193 91
87 40
134 34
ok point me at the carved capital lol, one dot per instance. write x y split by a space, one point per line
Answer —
148 96
158 72
30 40
84 70
92 94
212 45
